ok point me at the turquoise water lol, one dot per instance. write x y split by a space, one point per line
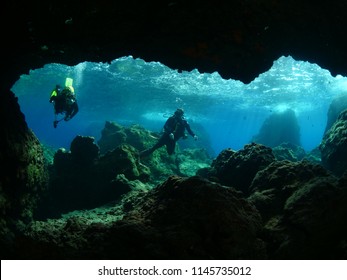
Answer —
130 91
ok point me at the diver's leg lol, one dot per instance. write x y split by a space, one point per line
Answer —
161 142
170 147
74 110
55 122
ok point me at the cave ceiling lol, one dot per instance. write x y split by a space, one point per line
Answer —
238 39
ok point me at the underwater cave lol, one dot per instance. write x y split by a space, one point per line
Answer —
234 66
228 113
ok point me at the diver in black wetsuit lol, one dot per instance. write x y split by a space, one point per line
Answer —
64 101
174 129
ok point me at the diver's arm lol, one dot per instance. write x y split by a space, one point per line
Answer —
52 98
190 131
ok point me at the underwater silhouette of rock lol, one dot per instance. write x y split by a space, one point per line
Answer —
23 176
171 221
278 128
273 185
303 207
83 179
238 168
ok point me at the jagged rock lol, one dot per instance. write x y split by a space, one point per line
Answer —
222 159
79 179
273 185
313 225
84 150
184 218
123 160
114 134
237 169
334 146
288 151
279 128
23 176
304 209
62 162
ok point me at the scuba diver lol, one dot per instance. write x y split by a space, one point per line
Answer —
64 100
174 129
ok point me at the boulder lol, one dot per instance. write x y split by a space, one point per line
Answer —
81 179
273 185
183 218
237 169
304 210
114 134
84 150
279 128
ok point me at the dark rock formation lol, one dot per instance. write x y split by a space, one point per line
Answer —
237 169
334 146
303 207
80 179
239 39
273 185
336 107
288 151
123 160
172 221
23 175
83 150
114 134
279 128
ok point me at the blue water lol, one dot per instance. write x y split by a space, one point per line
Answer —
130 91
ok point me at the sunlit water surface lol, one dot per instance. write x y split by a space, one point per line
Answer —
130 91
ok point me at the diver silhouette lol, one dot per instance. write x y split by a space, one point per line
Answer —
64 100
174 129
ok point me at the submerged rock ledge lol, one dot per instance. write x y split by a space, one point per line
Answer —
246 204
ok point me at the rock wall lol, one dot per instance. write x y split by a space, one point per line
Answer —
23 174
336 107
334 146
